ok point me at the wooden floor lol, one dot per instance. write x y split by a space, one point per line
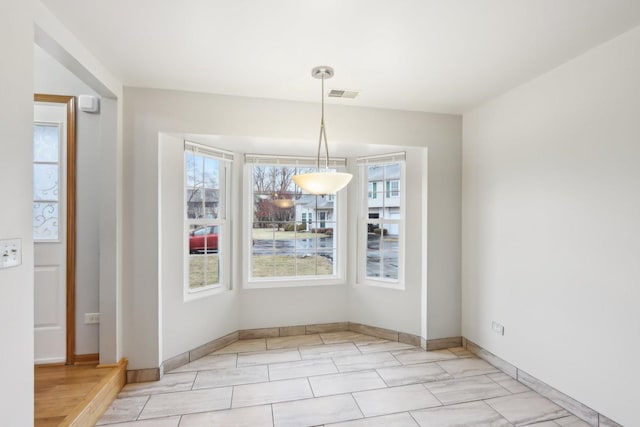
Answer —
62 393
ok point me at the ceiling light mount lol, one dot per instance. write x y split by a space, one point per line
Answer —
322 72
327 182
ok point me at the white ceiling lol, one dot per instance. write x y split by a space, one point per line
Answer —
423 55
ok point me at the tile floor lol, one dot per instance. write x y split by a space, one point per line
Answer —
335 379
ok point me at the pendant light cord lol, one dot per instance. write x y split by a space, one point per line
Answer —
323 134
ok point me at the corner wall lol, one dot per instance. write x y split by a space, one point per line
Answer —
16 142
399 309
551 229
184 325
52 78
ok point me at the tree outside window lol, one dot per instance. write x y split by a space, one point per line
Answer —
286 241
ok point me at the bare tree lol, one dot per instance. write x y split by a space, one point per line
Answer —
284 181
202 178
260 184
269 183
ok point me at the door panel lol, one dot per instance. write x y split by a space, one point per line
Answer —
49 315
49 228
47 297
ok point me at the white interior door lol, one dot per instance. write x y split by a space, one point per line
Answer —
49 231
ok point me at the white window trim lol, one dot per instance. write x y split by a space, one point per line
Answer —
224 224
339 278
363 220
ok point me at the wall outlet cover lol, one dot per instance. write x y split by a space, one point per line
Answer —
91 318
497 328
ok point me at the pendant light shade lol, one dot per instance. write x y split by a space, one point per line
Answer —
322 182
326 182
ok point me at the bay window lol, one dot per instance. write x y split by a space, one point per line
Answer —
206 208
295 237
381 220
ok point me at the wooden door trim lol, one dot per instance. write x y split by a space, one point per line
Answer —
70 102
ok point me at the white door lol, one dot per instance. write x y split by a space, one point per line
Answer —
49 231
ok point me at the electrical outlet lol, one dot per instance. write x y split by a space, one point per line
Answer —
10 253
497 328
91 318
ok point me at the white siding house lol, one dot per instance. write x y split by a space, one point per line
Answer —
383 194
315 212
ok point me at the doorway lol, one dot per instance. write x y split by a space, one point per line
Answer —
54 228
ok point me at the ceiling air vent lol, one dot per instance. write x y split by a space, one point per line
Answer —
341 93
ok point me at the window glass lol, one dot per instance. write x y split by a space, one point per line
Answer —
204 262
202 186
372 194
293 233
206 176
46 181
382 223
382 250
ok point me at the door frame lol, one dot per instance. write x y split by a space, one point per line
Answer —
70 102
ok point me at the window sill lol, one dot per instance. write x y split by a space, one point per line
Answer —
292 283
196 294
396 286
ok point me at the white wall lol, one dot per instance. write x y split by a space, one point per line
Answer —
150 112
52 78
395 308
16 284
185 325
16 135
551 227
53 37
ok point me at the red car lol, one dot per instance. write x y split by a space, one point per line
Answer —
204 239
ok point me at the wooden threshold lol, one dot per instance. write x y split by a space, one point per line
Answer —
75 395
89 411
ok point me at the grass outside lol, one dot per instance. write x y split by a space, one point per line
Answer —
269 234
285 266
203 270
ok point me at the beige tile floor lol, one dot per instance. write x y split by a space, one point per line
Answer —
335 379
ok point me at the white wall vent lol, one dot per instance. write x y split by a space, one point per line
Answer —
342 93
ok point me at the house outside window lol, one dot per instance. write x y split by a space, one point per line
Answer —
382 220
393 188
206 181
373 192
295 236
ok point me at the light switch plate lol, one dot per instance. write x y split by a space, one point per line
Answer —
10 253
497 328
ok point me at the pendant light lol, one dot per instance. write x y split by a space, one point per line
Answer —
327 182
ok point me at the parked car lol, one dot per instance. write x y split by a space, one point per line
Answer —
204 239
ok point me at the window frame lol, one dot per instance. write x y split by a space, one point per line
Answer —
364 219
225 159
339 235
